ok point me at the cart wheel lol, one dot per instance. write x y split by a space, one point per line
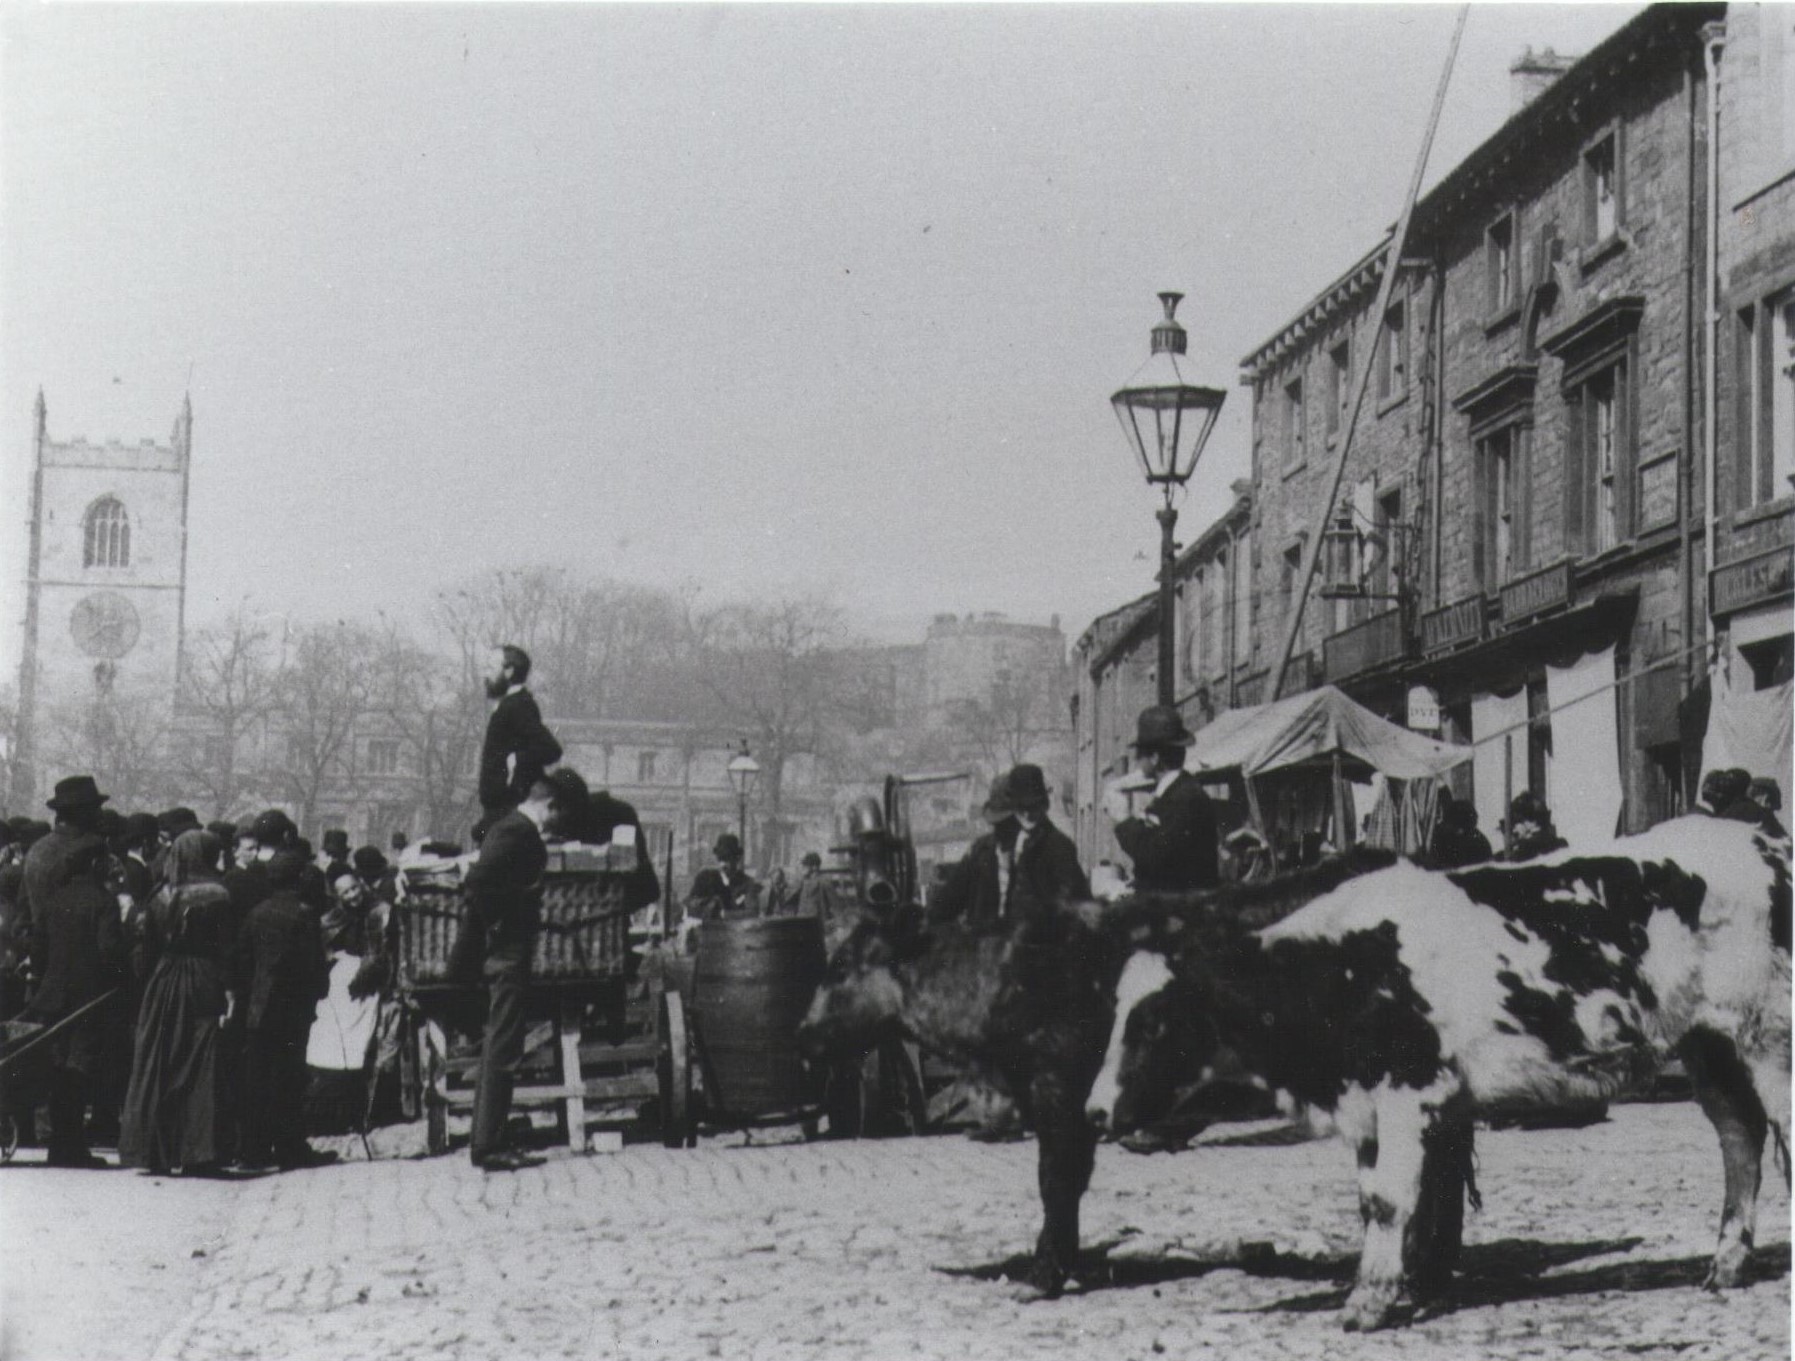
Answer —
673 1067
9 1136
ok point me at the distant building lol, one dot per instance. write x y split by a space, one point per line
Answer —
105 598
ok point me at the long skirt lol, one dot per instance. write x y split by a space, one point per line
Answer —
170 1116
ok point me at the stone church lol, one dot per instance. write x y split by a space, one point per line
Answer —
106 582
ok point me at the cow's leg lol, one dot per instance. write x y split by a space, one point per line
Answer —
1770 1079
1387 1139
1723 1085
1436 1233
1068 1152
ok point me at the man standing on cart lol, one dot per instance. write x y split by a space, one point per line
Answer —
518 745
504 911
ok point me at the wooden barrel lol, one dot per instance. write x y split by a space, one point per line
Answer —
752 985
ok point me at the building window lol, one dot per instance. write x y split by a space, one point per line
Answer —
1293 423
1597 505
1393 356
108 537
1503 465
1500 248
1602 189
1765 468
1339 385
1243 600
1386 566
645 767
383 756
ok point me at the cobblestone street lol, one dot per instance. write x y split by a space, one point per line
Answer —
1591 1243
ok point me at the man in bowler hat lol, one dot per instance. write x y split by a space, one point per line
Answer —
77 949
1044 868
976 886
1172 841
725 889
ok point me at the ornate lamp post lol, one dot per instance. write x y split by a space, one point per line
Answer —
744 774
1167 419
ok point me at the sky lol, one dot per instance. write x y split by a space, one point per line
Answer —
756 298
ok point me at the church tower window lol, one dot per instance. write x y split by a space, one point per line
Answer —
108 535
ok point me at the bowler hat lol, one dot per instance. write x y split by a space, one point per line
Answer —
1027 787
369 862
1160 726
812 860
112 824
76 791
728 847
224 830
177 820
273 828
141 827
997 801
336 841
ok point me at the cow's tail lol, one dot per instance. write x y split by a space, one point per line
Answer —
1779 1150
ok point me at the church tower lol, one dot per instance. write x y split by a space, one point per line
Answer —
105 598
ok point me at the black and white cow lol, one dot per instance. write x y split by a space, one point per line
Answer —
1404 999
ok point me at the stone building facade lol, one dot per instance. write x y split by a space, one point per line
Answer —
1521 536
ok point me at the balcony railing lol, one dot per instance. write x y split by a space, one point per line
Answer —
1377 642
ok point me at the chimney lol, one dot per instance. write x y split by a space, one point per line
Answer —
1533 73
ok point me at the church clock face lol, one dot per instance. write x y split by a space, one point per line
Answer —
105 625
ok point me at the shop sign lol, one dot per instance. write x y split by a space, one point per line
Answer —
1424 708
1758 578
1453 626
1532 595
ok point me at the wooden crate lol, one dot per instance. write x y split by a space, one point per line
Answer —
584 935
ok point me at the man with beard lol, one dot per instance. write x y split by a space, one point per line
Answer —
77 947
518 747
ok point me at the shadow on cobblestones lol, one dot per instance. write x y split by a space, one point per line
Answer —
1097 1270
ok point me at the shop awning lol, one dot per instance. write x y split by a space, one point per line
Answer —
1309 729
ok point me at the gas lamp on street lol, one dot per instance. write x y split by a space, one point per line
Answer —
1167 418
744 774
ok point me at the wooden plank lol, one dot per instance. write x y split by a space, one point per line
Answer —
570 1075
618 1088
632 1051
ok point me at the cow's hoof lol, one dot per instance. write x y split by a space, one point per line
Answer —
1367 1310
1727 1272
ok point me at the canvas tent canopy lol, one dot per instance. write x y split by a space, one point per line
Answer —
1311 729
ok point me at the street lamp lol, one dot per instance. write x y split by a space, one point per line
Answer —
1167 419
744 774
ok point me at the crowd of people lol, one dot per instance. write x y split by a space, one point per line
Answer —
180 967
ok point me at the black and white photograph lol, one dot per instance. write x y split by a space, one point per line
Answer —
837 681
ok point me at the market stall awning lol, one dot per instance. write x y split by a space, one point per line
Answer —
1311 728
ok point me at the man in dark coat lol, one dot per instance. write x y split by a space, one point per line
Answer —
593 819
1172 842
78 953
1044 868
975 886
1457 841
518 747
725 889
503 890
283 973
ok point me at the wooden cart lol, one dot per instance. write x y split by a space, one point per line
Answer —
596 1046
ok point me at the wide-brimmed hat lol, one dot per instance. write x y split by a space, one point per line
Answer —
728 847
76 791
1027 787
1160 726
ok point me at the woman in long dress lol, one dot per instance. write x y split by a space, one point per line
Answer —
170 1116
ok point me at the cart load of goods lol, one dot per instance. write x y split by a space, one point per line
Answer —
585 912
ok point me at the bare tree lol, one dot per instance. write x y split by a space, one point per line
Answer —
230 681
326 690
1004 727
435 705
118 738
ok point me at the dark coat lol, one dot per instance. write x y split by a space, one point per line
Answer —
515 730
971 891
605 813
247 885
77 940
713 896
503 887
280 962
1046 874
1176 851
